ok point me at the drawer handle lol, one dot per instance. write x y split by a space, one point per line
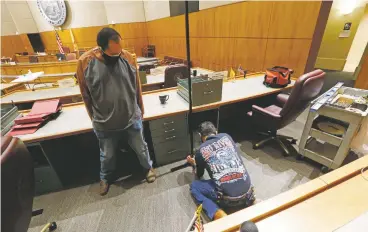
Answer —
209 92
172 137
168 123
172 151
40 181
166 131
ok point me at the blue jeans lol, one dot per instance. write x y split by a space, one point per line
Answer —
204 192
109 146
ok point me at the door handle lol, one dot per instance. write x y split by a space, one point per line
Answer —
208 92
172 137
170 152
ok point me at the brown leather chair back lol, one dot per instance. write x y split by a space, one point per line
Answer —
17 185
33 59
305 89
71 56
173 73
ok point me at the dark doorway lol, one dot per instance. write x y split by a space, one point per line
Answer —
36 42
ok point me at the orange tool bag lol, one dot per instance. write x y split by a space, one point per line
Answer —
277 77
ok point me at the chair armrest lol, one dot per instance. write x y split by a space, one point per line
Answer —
263 112
282 99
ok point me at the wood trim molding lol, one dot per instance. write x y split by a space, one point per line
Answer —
318 35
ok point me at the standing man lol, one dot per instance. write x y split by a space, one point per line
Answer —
230 184
111 90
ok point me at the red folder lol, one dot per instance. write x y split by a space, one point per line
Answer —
40 113
45 107
26 131
31 119
27 125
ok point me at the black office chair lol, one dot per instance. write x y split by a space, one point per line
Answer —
173 73
286 109
60 56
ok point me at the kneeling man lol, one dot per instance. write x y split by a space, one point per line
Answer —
230 185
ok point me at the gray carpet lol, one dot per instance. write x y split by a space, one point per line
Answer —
166 205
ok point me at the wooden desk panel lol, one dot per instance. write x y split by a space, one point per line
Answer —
325 212
292 198
7 88
347 171
46 78
268 207
47 67
40 94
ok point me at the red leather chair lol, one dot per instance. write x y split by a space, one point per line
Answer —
71 56
286 109
173 73
17 185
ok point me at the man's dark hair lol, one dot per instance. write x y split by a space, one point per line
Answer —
248 226
207 128
105 35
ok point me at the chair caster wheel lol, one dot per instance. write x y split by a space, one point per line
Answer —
293 141
255 147
53 226
299 157
325 169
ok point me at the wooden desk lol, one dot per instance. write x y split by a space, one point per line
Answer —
326 211
66 95
46 67
289 199
7 88
146 59
248 89
45 78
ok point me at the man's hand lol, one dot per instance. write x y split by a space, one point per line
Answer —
191 160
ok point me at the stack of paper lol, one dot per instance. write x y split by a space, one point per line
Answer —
40 113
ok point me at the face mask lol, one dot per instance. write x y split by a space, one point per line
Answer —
111 60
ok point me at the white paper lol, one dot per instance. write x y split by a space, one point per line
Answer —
28 77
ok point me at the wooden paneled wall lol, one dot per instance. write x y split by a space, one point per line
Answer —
256 35
12 44
362 75
133 34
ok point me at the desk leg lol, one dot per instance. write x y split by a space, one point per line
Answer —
218 119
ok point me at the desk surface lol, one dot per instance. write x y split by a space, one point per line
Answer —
146 59
44 75
63 126
326 211
160 78
39 94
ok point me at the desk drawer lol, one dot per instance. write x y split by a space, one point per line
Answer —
177 129
46 180
176 149
170 137
168 123
167 159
